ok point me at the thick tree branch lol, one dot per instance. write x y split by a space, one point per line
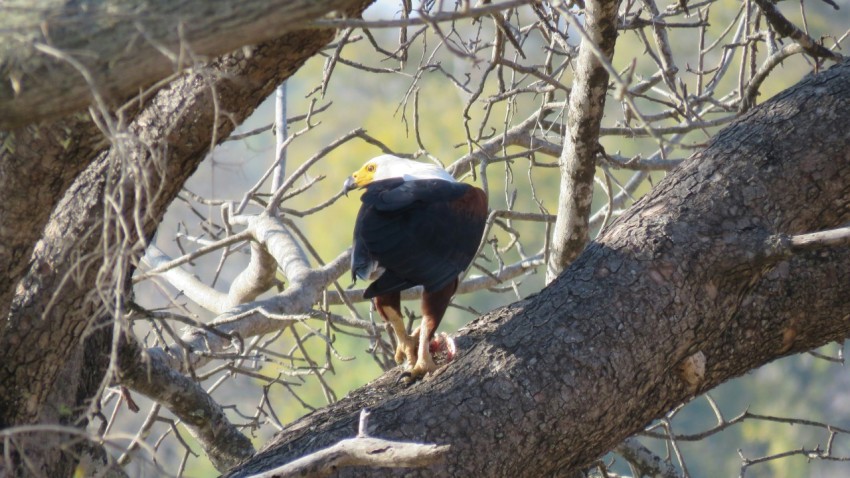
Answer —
188 401
37 163
135 47
192 287
256 278
161 266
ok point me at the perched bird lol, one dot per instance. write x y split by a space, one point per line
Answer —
417 226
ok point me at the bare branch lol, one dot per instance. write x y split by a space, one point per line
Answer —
360 451
644 461
788 29
202 416
816 240
438 17
578 159
242 236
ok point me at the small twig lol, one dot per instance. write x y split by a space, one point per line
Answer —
788 29
268 127
816 240
242 236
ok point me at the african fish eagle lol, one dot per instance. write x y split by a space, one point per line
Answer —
419 226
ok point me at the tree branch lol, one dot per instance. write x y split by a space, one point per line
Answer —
644 461
171 36
423 19
166 266
578 158
816 240
788 29
198 292
186 399
361 450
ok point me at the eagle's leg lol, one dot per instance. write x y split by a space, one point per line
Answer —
434 305
389 306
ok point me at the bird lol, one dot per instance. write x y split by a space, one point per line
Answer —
417 226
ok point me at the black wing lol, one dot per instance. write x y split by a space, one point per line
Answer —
422 232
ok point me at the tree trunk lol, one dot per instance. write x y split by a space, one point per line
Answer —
695 284
69 282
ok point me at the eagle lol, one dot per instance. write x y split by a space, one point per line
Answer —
417 226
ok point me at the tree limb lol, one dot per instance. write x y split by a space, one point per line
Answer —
135 47
186 399
578 157
831 238
361 450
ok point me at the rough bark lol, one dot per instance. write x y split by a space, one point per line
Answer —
577 162
701 265
56 302
185 106
173 390
37 162
50 66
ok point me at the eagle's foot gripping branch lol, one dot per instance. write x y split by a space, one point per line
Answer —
424 365
441 350
405 351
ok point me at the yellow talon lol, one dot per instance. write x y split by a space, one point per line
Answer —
405 350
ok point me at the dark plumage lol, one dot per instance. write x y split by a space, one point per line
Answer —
423 232
418 230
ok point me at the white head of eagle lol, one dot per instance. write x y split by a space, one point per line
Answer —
420 227
388 166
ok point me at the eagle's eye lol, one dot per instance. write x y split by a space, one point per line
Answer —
370 168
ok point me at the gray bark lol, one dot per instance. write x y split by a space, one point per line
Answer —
702 265
200 414
50 302
577 162
51 66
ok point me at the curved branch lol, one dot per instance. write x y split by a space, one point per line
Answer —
198 292
788 29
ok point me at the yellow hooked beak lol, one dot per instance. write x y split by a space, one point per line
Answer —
360 178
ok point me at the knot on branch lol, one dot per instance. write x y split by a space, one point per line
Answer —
692 370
